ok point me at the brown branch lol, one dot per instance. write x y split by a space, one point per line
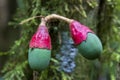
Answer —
35 75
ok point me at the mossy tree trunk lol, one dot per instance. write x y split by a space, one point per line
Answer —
105 21
106 15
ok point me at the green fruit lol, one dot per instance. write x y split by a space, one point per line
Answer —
91 48
39 58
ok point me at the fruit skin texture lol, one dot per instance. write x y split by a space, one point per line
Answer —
39 58
91 48
41 39
79 32
89 45
40 49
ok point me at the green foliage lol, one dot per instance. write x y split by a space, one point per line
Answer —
17 73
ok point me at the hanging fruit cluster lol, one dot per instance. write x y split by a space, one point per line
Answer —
88 44
67 54
40 48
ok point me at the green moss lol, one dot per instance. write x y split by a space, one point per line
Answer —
39 58
91 48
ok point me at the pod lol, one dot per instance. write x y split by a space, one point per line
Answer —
39 53
89 45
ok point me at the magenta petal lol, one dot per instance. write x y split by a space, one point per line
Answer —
78 32
41 39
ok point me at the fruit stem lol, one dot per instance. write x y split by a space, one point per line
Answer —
53 16
43 21
47 18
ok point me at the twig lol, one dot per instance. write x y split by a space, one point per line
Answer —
55 16
35 75
31 18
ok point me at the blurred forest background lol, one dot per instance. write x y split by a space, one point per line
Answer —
102 16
